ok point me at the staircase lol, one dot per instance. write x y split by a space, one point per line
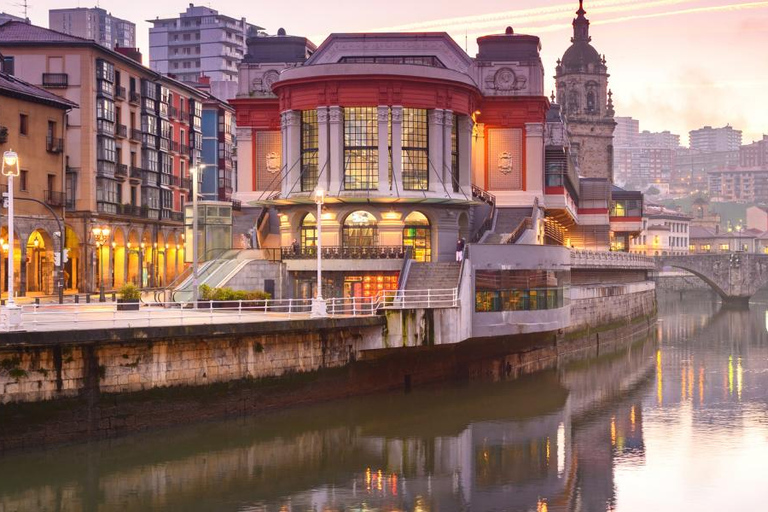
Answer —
508 220
433 276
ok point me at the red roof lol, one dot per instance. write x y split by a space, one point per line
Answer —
17 31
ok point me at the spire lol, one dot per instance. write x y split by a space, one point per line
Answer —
553 96
581 25
610 111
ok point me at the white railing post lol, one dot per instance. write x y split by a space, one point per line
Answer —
290 307
240 310
429 298
354 307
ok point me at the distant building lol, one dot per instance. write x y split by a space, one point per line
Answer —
94 23
665 232
643 158
199 41
707 240
740 184
219 177
692 167
711 140
755 154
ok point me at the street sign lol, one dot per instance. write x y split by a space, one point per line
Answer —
66 255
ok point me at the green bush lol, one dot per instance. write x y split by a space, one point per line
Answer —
206 292
130 291
257 295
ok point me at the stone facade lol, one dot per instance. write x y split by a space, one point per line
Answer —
581 79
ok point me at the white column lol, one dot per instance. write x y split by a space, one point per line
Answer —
336 149
397 151
245 164
447 157
466 127
323 156
383 120
291 122
436 125
534 158
478 156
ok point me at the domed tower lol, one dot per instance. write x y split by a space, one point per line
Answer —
582 90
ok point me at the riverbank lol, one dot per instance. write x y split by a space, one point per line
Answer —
89 385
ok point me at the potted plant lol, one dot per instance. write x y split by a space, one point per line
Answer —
129 298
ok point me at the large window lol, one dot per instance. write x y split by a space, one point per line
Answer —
520 290
105 109
415 149
359 230
309 145
417 234
361 148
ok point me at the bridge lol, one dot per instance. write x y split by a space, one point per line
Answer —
734 276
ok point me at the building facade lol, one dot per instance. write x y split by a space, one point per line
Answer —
665 233
32 124
739 184
94 23
200 41
130 146
755 154
715 140
218 151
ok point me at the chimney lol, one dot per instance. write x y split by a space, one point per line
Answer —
131 53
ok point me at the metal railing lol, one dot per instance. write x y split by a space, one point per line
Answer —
121 131
119 92
47 317
376 252
56 80
134 97
525 224
135 135
53 198
121 171
54 144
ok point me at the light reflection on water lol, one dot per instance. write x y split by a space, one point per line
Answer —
678 424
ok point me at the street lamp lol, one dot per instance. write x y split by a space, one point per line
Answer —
101 235
319 308
11 315
194 170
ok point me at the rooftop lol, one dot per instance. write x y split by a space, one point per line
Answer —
15 87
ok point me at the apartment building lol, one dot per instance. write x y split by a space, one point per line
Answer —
94 23
129 150
199 41
712 140
32 122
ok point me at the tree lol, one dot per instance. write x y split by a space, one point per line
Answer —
653 191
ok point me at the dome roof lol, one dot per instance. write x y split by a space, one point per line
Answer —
580 55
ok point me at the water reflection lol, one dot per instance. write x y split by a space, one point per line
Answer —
678 424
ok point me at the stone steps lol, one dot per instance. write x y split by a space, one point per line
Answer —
434 276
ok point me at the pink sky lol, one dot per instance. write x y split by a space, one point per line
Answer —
674 64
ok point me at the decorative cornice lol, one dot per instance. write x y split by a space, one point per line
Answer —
435 117
336 115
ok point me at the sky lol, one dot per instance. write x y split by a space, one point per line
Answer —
675 65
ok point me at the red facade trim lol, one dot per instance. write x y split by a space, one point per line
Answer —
593 211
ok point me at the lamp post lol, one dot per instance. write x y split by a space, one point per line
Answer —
195 169
101 235
319 308
11 314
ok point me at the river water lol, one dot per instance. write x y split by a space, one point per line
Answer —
675 422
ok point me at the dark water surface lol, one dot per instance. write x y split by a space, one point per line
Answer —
674 423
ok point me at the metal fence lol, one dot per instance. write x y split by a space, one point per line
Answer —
47 317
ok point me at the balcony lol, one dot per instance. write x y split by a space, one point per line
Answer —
177 216
186 183
379 252
237 205
55 80
165 179
119 93
53 198
149 179
174 146
184 149
173 112
184 116
121 171
135 135
54 145
134 98
135 173
121 131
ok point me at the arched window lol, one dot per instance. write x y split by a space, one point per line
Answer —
591 101
359 230
417 234
573 101
308 231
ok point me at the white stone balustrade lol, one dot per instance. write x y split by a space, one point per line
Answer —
605 259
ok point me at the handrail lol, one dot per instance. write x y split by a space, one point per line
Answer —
347 252
37 317
487 224
525 224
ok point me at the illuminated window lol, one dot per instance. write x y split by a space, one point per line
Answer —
361 148
359 230
417 234
309 145
724 247
520 290
308 231
415 149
